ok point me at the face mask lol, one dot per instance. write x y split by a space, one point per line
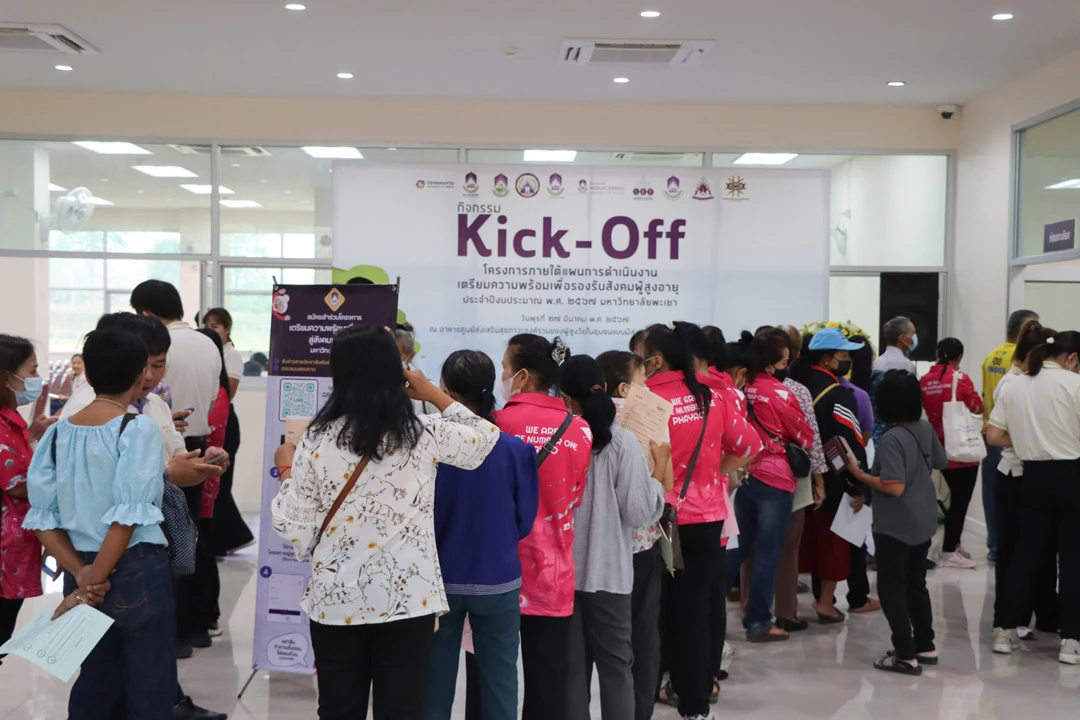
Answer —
843 368
506 387
781 375
31 393
914 343
647 361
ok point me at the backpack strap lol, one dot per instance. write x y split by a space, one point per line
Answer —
693 461
553 442
825 392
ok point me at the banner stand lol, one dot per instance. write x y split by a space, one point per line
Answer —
304 320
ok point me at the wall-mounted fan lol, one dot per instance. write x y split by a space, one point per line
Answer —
71 212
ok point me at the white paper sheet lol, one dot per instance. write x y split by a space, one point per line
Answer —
852 526
59 646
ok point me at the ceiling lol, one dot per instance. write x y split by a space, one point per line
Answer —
767 51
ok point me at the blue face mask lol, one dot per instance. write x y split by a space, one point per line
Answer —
30 393
914 343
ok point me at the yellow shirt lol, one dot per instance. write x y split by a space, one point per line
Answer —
994 368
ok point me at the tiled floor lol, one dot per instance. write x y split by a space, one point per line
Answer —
822 673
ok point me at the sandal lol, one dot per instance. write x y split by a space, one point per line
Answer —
923 658
824 619
891 663
792 626
667 696
714 696
871 605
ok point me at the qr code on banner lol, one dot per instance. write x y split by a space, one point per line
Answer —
299 398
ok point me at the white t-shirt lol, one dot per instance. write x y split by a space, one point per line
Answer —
1009 462
194 375
155 408
234 364
1041 414
80 398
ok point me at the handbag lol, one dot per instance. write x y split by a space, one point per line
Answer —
669 520
553 441
798 459
339 500
179 528
963 433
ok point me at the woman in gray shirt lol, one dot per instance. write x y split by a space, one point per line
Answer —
905 520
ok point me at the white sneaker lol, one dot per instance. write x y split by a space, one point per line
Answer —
960 549
1070 652
710 716
726 656
956 560
1005 641
1025 633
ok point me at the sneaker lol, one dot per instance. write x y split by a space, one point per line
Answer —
708 716
1005 641
1025 633
1070 652
200 640
727 656
960 549
956 560
215 630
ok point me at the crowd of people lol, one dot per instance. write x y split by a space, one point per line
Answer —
506 511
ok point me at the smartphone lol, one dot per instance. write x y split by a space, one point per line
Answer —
217 459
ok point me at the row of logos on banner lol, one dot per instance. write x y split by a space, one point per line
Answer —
528 185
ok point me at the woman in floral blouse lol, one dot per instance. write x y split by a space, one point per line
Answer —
376 584
20 551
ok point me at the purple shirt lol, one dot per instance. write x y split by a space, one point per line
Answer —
865 409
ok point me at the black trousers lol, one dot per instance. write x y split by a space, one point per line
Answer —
196 595
901 577
1047 607
718 616
690 607
391 658
961 482
9 614
229 529
645 629
545 646
1049 513
472 688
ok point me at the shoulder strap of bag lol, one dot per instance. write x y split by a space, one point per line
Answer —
693 460
553 441
825 392
128 417
341 496
926 457
753 418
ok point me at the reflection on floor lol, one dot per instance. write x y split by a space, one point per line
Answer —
821 673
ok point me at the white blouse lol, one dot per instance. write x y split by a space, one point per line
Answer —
377 561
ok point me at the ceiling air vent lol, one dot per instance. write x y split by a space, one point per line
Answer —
43 38
651 158
674 53
226 150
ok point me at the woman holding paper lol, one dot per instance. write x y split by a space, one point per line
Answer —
95 491
938 386
619 497
905 519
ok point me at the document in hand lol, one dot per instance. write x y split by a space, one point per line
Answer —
646 414
59 646
837 451
295 429
850 525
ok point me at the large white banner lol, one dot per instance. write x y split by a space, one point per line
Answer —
587 253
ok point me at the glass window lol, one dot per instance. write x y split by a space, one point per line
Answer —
1049 186
247 293
146 198
857 299
72 314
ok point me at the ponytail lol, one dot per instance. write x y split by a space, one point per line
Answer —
667 342
1058 346
539 356
1032 333
470 375
582 380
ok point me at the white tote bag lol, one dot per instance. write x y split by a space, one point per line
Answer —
963 431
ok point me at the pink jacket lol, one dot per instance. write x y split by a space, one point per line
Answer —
778 415
547 554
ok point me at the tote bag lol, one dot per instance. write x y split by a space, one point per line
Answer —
963 432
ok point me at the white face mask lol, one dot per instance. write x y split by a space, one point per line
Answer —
506 387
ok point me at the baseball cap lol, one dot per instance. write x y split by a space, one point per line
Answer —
832 339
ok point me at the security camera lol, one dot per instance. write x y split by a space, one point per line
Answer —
947 111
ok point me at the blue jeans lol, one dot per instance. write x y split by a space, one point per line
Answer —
763 513
136 659
989 496
495 622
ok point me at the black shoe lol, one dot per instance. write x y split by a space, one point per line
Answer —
188 710
791 625
803 588
200 639
930 564
184 650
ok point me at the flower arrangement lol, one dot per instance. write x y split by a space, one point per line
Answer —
848 328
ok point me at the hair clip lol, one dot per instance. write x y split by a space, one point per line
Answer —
1049 341
559 350
670 324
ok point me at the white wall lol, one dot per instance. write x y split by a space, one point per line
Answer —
250 406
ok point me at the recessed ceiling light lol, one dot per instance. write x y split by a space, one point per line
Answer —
236 164
104 180
53 187
550 155
296 6
139 192
207 189
305 202
112 148
63 68
288 192
345 76
100 201
392 149
622 80
896 83
1073 184
760 158
164 171
1002 16
650 14
241 204
333 153
263 180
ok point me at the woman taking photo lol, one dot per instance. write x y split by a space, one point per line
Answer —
619 498
95 492
530 369
1038 415
905 520
230 532
480 516
763 505
359 494
698 425
20 551
937 389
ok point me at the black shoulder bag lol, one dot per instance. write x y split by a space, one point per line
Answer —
669 520
797 458
553 442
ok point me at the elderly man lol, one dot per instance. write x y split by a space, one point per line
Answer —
900 340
